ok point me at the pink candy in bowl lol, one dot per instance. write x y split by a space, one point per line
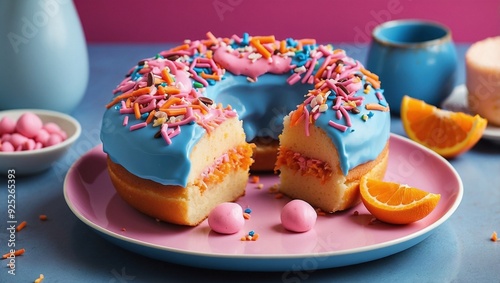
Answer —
31 140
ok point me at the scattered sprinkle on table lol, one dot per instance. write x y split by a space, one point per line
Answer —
21 226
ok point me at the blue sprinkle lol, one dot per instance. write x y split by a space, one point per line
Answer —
248 210
251 233
144 116
158 56
117 107
245 39
291 42
370 114
211 82
383 103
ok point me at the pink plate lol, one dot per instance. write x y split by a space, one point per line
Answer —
336 240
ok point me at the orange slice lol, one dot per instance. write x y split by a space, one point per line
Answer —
447 133
396 203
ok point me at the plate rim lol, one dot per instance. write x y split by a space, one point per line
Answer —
420 234
458 94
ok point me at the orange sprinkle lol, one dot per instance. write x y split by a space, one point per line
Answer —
260 48
375 83
320 212
180 47
171 90
208 76
39 279
265 39
307 41
21 226
294 119
128 102
212 37
42 217
369 74
376 106
150 116
246 216
494 237
255 179
118 98
16 253
165 75
282 46
197 106
170 102
161 90
175 111
209 54
137 111
255 237
278 196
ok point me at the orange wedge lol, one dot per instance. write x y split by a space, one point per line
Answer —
396 203
447 133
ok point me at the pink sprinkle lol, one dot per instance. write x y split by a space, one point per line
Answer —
309 70
236 38
175 132
339 114
164 134
309 99
325 62
125 120
138 126
379 95
337 126
294 78
151 106
324 50
182 122
338 101
171 66
316 115
126 110
346 116
306 120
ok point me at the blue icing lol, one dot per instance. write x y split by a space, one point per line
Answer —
261 105
352 145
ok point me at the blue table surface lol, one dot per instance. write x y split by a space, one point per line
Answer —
64 249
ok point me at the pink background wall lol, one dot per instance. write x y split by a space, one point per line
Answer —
326 20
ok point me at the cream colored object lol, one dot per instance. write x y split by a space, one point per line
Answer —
482 62
191 204
339 192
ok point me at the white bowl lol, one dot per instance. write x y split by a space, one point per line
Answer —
35 161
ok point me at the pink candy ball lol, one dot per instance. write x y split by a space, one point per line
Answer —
29 125
28 133
53 140
6 147
298 216
52 128
17 140
7 126
42 136
226 218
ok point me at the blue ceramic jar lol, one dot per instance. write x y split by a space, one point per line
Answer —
43 55
415 58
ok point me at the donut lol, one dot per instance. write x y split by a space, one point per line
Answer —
482 63
185 126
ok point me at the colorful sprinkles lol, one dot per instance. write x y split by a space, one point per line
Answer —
166 91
